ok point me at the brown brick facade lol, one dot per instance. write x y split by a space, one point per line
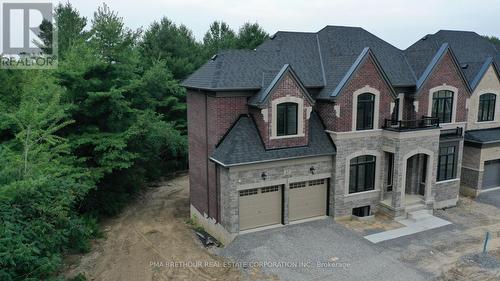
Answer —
287 87
446 73
369 75
209 118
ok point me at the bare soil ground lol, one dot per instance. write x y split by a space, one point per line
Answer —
447 256
142 242
379 223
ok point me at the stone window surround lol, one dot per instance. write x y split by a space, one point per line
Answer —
378 157
300 117
444 87
364 90
495 115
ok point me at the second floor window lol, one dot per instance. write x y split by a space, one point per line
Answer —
365 111
287 119
486 107
442 105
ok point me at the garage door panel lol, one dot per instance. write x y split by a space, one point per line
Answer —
491 177
307 200
260 208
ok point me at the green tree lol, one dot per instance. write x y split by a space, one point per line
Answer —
250 36
172 44
219 37
46 33
70 27
110 37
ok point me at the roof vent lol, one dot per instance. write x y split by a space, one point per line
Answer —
213 57
424 38
465 66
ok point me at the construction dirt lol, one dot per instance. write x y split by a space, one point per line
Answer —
151 240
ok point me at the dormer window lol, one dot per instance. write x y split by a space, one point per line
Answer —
287 119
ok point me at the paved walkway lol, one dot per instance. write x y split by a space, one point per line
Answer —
421 221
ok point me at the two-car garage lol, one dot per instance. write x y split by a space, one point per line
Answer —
260 207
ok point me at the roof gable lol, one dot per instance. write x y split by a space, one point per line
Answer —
358 63
482 72
262 97
434 63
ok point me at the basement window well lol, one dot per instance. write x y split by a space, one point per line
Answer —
361 211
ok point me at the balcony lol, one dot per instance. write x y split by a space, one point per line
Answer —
410 125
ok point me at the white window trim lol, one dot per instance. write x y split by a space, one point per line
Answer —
370 90
378 157
444 87
300 117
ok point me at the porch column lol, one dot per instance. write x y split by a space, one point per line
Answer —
398 186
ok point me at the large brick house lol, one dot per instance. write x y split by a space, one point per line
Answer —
339 123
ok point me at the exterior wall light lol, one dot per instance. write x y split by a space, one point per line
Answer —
263 175
312 170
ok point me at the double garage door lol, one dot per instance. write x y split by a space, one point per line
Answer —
264 206
491 177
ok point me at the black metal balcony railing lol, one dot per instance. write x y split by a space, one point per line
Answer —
452 133
400 125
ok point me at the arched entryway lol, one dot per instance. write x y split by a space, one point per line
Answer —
417 177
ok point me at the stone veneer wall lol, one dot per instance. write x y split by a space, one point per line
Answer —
405 144
282 173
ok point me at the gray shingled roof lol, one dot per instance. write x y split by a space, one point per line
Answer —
341 46
483 136
243 145
320 59
261 98
470 49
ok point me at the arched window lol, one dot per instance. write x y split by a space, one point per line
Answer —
442 105
287 119
362 174
365 111
486 107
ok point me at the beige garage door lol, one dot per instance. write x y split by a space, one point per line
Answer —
260 207
307 199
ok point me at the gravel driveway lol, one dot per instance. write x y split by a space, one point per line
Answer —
319 250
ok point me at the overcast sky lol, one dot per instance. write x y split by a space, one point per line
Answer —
400 22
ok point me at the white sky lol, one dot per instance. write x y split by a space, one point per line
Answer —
400 22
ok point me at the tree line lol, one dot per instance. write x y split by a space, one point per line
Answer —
78 142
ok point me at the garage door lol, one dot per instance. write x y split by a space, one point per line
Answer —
491 177
260 207
307 199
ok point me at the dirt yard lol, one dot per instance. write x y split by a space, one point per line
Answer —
146 238
457 255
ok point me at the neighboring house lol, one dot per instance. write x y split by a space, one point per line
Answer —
479 61
337 122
